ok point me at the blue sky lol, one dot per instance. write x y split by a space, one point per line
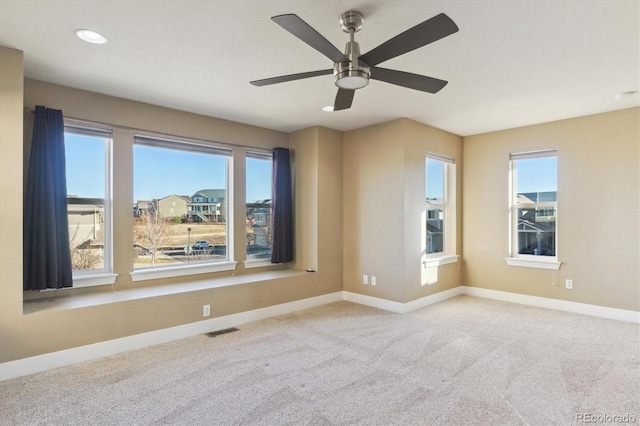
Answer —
158 172
434 178
537 175
85 166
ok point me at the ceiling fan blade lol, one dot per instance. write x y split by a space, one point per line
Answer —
290 77
344 98
306 33
422 34
409 80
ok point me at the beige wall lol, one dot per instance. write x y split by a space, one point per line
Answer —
43 331
319 206
305 146
383 202
598 219
11 89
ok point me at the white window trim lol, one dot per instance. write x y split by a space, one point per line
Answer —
252 262
526 260
145 274
104 275
191 145
91 280
258 263
430 262
448 255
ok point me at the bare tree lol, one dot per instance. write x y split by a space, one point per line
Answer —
151 231
82 256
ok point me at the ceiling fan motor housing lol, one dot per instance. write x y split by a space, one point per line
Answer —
351 20
355 73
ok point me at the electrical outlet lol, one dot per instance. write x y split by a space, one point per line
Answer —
373 280
206 310
365 279
568 284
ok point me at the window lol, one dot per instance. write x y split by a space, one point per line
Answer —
88 175
534 211
181 213
259 169
438 171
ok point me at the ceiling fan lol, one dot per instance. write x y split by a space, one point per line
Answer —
353 70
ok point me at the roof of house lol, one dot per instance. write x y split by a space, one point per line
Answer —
529 226
184 197
211 193
538 197
433 229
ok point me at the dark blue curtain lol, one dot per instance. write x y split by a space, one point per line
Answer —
282 205
47 258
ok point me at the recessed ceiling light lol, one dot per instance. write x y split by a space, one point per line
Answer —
91 36
328 108
625 95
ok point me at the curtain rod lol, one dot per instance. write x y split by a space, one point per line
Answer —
28 111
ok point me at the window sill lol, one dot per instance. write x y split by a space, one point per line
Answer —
91 280
64 302
258 263
533 263
180 271
430 262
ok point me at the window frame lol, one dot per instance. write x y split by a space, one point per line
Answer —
196 146
106 274
448 253
251 262
528 260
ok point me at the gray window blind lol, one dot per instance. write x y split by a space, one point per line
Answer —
199 147
87 131
264 155
533 154
442 158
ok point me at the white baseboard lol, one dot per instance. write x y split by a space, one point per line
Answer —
541 302
374 302
36 364
560 305
398 307
432 299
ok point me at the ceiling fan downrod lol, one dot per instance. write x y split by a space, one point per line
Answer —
355 73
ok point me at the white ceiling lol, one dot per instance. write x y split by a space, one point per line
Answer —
512 63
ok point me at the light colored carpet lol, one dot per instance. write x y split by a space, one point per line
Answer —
465 361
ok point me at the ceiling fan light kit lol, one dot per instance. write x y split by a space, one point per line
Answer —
352 70
353 74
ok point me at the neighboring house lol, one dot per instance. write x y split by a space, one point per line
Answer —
172 206
207 205
435 226
86 218
259 220
141 207
537 226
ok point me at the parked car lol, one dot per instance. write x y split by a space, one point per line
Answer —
200 245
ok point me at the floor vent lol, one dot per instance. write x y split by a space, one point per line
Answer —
219 332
